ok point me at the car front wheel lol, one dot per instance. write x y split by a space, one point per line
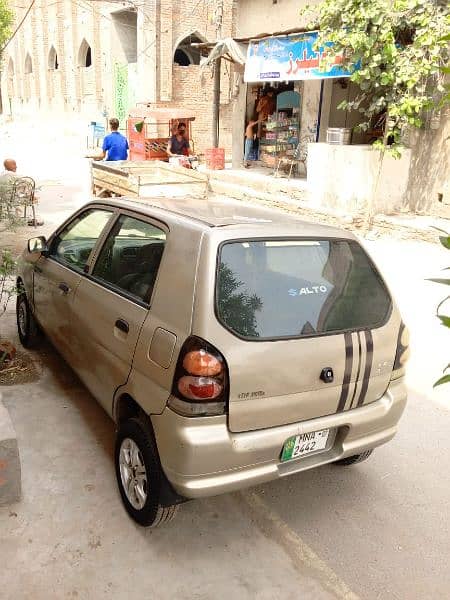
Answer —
139 475
27 326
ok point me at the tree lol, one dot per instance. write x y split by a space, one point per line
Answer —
6 20
397 52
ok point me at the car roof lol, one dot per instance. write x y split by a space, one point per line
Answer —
219 211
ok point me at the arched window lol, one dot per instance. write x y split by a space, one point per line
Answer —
181 58
53 59
28 64
84 55
185 54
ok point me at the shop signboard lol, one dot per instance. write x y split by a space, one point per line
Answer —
289 58
98 130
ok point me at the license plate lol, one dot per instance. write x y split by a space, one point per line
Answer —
305 443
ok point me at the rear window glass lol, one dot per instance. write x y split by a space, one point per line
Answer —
294 288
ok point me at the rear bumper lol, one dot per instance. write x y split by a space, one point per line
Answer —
201 457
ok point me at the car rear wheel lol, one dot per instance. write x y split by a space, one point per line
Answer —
27 326
356 458
140 476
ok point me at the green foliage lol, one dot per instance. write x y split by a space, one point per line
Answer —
8 288
400 49
6 20
445 319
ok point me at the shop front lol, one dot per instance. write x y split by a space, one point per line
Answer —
276 109
294 94
283 82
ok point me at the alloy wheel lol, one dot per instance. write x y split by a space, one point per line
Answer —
133 474
22 318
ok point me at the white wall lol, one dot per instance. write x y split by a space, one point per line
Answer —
343 178
263 16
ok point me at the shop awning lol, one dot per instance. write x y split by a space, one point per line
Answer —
229 49
289 58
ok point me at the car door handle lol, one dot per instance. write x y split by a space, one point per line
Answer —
122 325
64 287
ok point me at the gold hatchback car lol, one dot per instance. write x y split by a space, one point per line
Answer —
231 345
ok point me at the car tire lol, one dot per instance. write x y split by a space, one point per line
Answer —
356 458
27 327
139 475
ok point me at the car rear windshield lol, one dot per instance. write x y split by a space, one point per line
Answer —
294 288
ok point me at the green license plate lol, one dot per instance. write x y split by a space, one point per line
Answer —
305 443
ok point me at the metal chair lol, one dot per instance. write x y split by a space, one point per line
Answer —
23 196
299 156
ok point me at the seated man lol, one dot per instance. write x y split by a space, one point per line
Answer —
178 144
7 180
12 184
10 167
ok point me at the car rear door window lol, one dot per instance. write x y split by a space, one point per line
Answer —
297 288
73 244
130 257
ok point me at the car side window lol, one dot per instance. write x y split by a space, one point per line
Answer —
73 245
130 257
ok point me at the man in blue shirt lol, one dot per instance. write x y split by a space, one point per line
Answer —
115 144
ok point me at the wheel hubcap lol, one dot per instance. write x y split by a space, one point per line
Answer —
22 318
132 473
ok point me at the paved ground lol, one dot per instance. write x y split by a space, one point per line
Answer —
71 538
376 530
380 529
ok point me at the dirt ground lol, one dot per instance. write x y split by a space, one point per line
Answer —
23 368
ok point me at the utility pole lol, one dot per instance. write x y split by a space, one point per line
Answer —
218 20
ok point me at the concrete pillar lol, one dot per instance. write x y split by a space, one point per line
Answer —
166 50
238 126
98 22
48 90
37 60
62 59
310 109
148 51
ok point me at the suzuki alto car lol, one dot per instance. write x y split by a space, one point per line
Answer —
231 345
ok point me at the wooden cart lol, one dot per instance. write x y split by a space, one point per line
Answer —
144 178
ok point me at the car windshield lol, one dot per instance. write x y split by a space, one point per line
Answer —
293 288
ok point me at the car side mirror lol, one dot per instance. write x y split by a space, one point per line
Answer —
37 244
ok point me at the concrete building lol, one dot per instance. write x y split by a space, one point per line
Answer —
92 59
342 177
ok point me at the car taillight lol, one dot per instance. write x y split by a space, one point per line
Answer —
199 388
200 385
402 354
202 362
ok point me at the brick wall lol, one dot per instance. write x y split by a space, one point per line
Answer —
192 87
72 89
192 90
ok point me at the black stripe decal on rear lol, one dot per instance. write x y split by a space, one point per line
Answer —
359 369
347 371
368 368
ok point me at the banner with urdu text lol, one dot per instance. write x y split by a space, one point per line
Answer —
289 58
